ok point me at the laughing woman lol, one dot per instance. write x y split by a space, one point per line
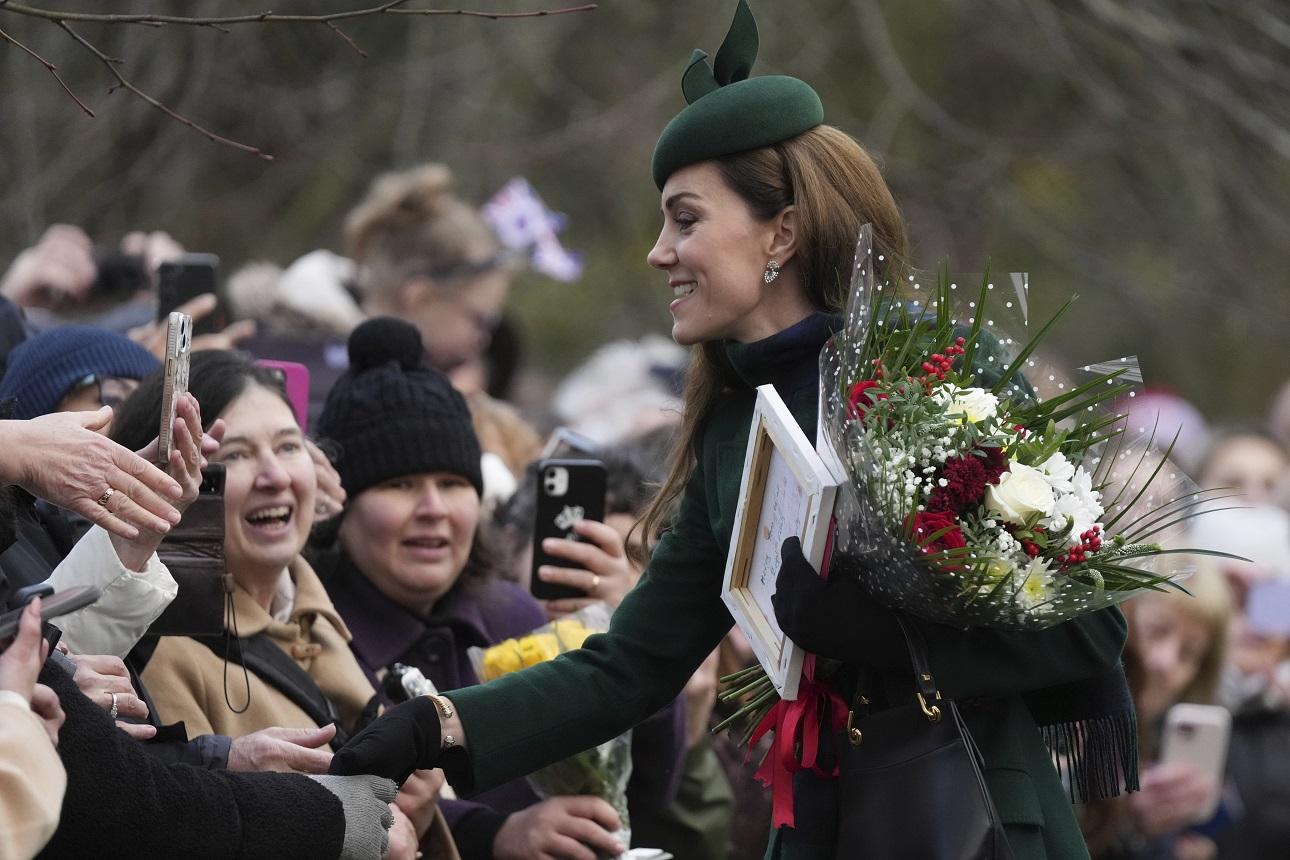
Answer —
283 659
761 205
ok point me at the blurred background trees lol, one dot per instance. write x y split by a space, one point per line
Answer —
1137 153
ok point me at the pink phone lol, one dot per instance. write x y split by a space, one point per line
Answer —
295 379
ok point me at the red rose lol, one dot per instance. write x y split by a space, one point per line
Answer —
929 523
859 401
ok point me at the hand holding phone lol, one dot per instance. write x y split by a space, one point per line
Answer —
568 491
59 603
1196 736
185 278
179 342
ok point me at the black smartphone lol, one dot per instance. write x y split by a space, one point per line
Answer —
567 491
185 278
60 603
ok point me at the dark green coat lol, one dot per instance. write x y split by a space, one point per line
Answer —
670 622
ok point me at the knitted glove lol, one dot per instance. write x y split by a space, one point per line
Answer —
403 739
833 617
366 800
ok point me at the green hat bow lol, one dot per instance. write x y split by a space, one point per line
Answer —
730 112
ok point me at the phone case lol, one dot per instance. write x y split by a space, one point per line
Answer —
1197 735
568 491
179 342
295 380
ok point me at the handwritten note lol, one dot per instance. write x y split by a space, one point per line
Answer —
783 513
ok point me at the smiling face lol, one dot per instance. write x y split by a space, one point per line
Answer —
715 253
269 487
411 536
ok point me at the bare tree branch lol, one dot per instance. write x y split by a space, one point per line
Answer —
390 8
62 19
123 83
53 70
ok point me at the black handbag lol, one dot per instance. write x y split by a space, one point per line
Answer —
911 785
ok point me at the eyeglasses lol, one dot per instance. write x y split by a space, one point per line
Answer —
111 390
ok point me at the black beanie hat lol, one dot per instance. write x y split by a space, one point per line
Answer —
391 415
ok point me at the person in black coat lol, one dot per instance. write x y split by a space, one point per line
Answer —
122 802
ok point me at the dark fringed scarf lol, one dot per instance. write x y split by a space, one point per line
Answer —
1091 729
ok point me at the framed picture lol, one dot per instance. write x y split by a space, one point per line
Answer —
787 490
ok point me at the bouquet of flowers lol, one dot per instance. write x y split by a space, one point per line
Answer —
602 771
972 499
980 489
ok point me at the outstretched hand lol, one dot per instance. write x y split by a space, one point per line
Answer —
405 738
64 458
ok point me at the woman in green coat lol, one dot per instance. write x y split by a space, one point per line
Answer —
761 206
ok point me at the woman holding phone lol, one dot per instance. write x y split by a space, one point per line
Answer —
762 203
406 567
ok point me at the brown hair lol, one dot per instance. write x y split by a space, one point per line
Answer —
835 187
411 224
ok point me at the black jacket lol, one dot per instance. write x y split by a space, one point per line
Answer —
123 802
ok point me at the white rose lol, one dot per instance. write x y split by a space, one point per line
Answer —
974 404
1021 491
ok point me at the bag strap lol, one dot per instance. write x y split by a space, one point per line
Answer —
927 694
266 660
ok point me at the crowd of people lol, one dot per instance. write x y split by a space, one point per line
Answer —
381 522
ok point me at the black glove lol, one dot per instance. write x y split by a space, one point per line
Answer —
403 739
834 617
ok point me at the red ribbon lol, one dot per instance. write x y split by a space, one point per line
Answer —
817 709
797 725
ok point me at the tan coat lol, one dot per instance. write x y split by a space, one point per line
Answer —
187 680
32 781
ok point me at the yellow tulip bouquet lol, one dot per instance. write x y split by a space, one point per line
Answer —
602 771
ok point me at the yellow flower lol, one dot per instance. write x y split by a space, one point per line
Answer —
538 648
502 659
571 632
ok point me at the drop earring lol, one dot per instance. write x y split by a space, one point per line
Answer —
771 273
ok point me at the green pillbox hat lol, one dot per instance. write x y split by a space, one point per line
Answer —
730 112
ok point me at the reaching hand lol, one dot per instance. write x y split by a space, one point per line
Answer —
282 750
57 270
105 681
20 663
603 569
65 459
560 828
152 336
405 738
330 499
1171 797
418 798
187 457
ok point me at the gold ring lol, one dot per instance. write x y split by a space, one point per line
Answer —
595 583
106 497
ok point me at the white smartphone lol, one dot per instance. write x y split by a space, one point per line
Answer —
179 342
1197 735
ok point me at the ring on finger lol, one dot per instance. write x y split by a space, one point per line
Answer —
112 712
595 583
106 497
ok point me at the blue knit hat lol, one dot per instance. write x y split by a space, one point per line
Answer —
41 371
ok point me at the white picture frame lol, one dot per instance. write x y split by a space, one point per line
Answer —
786 490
